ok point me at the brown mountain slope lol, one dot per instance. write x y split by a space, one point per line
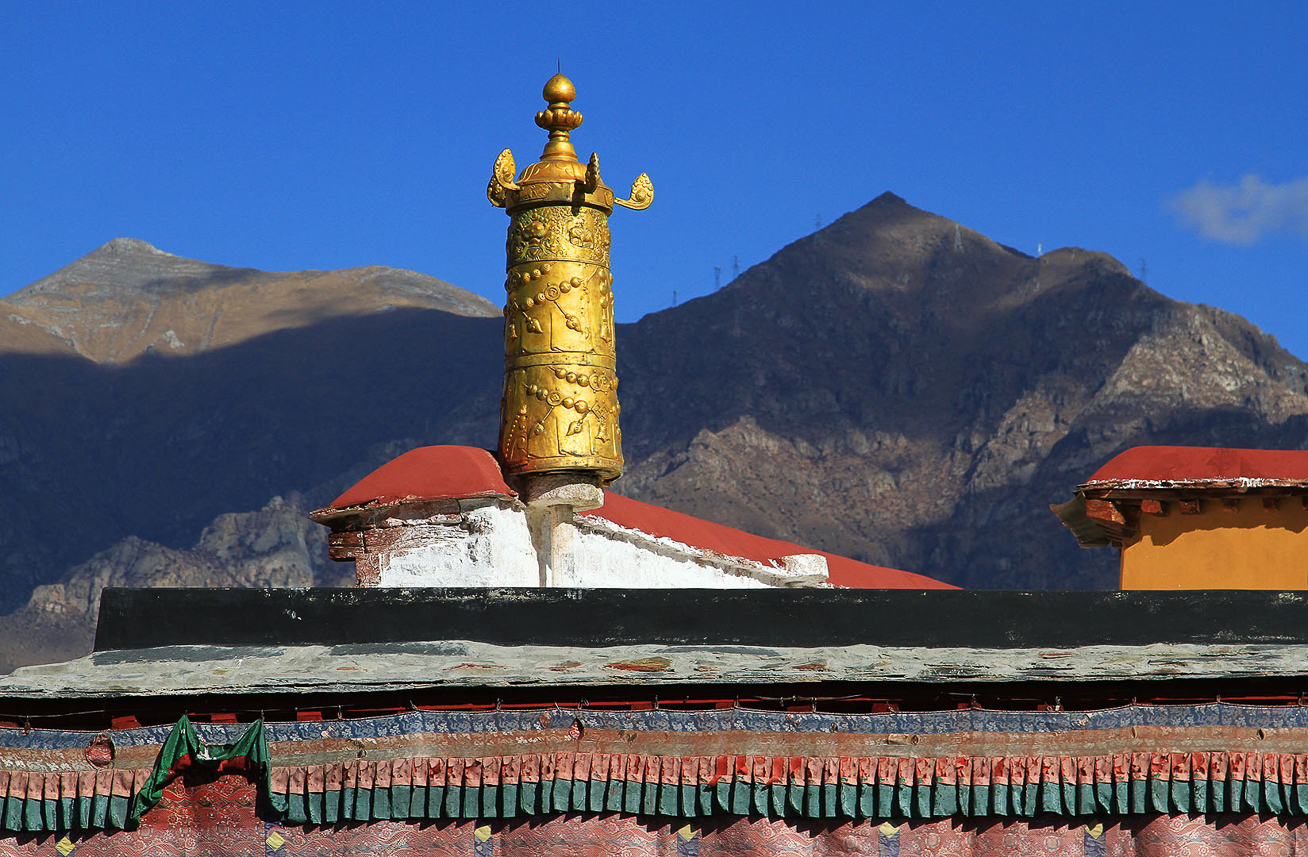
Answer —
20 335
128 297
909 392
894 387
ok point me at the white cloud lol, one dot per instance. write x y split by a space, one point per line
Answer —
1245 212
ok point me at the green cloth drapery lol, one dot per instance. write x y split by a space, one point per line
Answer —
183 741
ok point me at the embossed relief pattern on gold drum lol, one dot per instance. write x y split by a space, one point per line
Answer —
560 401
559 285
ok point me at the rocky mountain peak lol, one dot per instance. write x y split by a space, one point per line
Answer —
120 246
123 269
925 266
1071 257
127 298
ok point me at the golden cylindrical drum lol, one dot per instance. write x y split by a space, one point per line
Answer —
560 406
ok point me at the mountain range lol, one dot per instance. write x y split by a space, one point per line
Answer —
895 387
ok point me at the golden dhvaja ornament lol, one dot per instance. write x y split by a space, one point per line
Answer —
560 409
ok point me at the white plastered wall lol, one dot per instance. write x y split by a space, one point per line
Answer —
490 544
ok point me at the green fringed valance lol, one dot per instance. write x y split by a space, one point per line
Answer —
543 784
794 787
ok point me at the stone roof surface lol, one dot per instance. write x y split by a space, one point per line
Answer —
381 667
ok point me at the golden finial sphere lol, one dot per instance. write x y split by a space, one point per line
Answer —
559 88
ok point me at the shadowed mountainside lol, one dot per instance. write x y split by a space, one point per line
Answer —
895 387
159 446
906 391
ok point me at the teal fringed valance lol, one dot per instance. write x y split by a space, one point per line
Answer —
794 787
415 766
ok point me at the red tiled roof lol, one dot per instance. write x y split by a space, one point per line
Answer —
1204 464
706 535
429 473
454 472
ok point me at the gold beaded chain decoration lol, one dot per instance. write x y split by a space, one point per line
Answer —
560 407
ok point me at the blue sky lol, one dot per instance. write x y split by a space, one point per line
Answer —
332 135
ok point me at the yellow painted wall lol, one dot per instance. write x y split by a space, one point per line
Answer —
1248 548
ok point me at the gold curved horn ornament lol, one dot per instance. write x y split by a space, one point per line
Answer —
642 194
501 179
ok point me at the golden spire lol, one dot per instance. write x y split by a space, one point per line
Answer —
559 414
560 119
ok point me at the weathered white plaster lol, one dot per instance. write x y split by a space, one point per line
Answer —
606 554
492 543
485 546
601 560
804 568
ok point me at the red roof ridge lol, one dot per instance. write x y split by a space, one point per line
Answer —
424 474
729 541
1198 466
